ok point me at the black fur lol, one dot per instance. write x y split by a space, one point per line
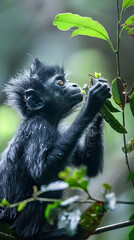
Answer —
39 150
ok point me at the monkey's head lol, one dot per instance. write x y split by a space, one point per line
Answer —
43 89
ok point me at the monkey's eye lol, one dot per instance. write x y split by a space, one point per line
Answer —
60 82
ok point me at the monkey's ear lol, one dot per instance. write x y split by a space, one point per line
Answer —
33 99
37 64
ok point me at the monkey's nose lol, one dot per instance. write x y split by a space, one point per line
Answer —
74 85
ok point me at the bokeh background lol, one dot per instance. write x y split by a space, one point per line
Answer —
26 31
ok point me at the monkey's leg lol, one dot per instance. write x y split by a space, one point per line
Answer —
91 152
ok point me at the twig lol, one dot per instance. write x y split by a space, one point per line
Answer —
52 200
114 226
118 40
124 202
125 146
7 236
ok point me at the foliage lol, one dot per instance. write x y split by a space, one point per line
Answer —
75 178
69 217
107 187
21 206
127 3
119 93
86 26
107 109
5 203
131 176
110 118
132 103
131 235
129 146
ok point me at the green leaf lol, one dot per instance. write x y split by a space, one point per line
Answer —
84 184
107 186
129 22
107 107
80 173
97 75
131 235
84 92
77 173
91 218
73 183
131 176
127 3
131 217
130 146
85 26
129 25
21 206
111 120
119 92
51 212
66 173
132 103
131 32
80 184
76 178
5 203
110 106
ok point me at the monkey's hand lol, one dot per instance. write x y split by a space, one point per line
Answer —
102 80
96 97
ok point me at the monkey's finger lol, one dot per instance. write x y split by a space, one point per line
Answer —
96 87
99 87
102 80
106 93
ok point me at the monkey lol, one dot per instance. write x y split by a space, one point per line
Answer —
39 150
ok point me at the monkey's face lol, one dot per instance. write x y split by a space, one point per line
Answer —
63 93
51 93
54 96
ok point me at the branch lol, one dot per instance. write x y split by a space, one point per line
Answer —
124 202
114 226
97 231
7 236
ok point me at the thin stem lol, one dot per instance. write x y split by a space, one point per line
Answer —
7 236
112 46
119 18
118 40
114 226
125 202
125 147
52 200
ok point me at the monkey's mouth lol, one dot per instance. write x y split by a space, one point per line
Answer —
76 95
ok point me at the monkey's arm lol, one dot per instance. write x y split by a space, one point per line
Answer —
61 150
90 153
56 158
49 162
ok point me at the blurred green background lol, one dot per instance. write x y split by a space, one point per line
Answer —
26 31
